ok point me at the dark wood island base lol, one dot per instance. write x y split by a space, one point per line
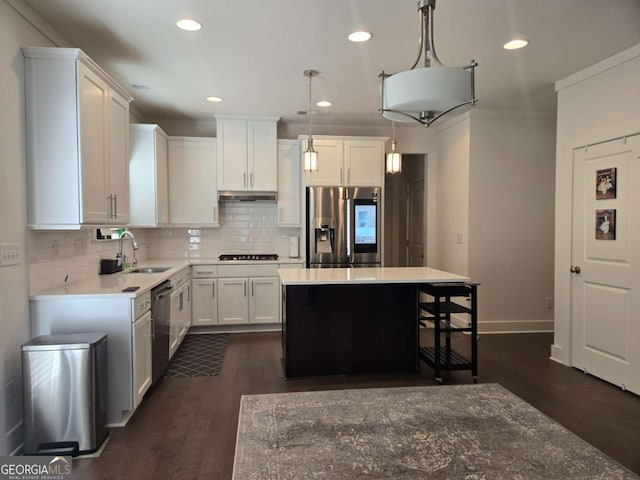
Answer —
349 329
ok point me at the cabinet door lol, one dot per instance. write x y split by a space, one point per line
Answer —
94 96
264 303
330 163
289 188
363 162
262 155
174 323
232 155
162 186
233 301
118 159
193 197
141 357
204 307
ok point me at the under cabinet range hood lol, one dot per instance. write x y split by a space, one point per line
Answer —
247 196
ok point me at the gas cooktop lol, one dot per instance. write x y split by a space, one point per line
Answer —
248 256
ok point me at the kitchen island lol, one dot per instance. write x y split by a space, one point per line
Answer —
339 321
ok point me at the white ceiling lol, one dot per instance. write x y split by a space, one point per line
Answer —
253 53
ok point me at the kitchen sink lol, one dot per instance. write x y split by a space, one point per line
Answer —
149 270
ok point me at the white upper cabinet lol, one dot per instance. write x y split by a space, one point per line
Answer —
193 196
247 153
77 141
148 187
347 161
289 183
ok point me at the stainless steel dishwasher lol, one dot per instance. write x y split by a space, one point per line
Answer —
160 312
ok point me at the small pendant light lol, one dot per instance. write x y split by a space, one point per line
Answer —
310 155
394 159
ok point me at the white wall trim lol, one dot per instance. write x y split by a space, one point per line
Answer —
600 67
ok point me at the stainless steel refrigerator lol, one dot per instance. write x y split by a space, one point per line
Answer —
343 227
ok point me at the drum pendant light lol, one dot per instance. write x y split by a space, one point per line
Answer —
427 93
310 156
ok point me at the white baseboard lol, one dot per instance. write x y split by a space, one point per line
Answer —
267 327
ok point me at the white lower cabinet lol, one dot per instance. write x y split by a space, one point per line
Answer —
141 357
248 300
233 303
127 323
180 310
204 309
264 305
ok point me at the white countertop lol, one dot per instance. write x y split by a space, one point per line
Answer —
334 276
113 284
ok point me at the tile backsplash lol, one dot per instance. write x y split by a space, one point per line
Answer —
244 228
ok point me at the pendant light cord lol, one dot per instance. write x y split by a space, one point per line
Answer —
309 111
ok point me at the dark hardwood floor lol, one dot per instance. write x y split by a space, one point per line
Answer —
186 427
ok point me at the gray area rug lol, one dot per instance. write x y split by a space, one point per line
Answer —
199 355
466 432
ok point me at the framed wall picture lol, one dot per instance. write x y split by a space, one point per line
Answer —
605 183
606 224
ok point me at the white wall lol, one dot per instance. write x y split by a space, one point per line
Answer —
511 218
599 103
15 31
452 197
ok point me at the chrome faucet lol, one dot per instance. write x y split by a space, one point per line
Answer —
120 255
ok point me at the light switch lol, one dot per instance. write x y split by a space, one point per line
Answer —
459 239
10 254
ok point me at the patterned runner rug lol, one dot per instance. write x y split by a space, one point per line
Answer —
199 355
452 432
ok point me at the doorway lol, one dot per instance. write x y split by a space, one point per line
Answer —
605 257
404 213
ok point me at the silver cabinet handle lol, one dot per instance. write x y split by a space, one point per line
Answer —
348 175
244 179
213 290
575 269
245 288
115 208
215 214
252 285
251 179
340 175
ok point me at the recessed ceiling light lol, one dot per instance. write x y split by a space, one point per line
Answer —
189 25
214 99
324 103
359 36
516 44
140 86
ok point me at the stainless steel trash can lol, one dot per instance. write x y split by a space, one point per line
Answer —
65 393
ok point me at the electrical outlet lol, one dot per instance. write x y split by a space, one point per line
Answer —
10 254
548 303
459 239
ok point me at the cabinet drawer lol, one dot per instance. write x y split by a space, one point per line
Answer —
180 278
270 270
204 271
141 304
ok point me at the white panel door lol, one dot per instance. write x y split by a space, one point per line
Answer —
264 303
141 357
330 163
93 95
205 302
262 155
118 164
233 301
232 155
605 278
363 161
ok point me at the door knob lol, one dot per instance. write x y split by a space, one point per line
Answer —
575 269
